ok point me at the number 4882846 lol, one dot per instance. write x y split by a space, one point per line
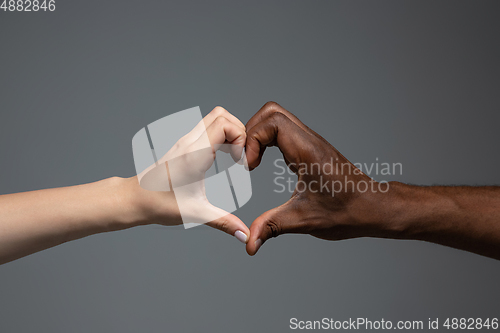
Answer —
28 5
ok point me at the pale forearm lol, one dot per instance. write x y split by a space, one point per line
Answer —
34 221
37 220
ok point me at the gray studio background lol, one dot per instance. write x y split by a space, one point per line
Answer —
410 82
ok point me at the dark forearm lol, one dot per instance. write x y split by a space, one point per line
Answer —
354 205
462 217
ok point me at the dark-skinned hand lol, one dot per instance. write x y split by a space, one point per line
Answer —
343 208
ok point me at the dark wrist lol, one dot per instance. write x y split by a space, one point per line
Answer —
392 213
414 212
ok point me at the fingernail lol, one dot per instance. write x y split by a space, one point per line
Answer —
258 243
240 235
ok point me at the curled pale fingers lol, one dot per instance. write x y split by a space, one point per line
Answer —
221 131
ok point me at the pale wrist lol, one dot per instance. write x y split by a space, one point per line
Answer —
114 206
141 207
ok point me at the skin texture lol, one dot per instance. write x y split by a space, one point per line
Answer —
37 220
466 218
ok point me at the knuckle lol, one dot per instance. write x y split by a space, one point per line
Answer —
220 120
277 117
223 225
252 141
186 159
271 105
268 108
273 228
219 110
178 145
182 141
